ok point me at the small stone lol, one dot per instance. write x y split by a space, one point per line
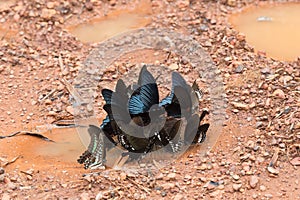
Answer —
236 187
50 5
11 185
48 102
168 186
253 181
179 197
210 185
296 161
265 70
269 196
259 124
123 176
272 170
48 13
60 87
182 4
235 110
85 196
262 188
136 196
52 113
239 69
203 27
231 3
285 79
235 177
99 196
241 37
89 6
163 193
5 196
240 106
171 176
70 110
160 176
33 102
207 43
173 66
279 93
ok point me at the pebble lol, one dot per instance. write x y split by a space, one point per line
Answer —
259 124
5 196
70 110
253 181
236 187
279 93
48 102
11 185
262 188
272 170
52 113
296 161
48 13
231 3
99 196
89 6
179 197
168 186
269 196
171 176
84 196
239 69
240 106
123 176
174 66
235 177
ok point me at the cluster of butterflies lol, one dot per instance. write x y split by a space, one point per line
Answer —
138 123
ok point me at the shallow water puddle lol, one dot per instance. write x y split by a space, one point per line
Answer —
274 29
67 146
114 23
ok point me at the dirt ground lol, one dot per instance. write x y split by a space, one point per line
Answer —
257 155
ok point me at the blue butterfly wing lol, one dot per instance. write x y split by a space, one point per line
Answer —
107 95
105 122
135 105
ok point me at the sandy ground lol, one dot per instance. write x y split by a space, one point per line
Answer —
256 156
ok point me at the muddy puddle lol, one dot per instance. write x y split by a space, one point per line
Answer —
68 145
274 29
115 22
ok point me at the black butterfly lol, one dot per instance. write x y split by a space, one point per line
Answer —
147 117
137 119
182 102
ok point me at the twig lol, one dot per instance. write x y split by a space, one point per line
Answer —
139 186
72 91
10 162
274 158
48 95
27 133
